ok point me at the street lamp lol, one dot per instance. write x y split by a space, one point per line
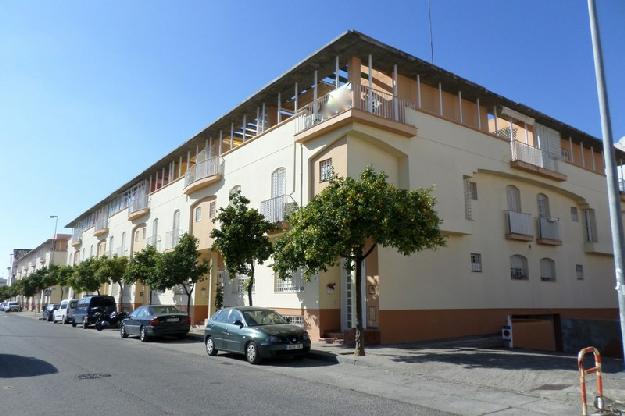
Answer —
56 222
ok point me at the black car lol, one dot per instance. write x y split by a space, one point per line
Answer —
88 306
256 332
48 312
154 321
44 312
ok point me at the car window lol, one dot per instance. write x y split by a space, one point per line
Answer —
234 315
263 317
218 316
73 304
164 309
64 306
136 313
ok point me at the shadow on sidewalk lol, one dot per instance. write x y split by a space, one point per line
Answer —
20 366
504 359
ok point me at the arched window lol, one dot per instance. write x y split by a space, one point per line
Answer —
547 269
278 182
198 214
518 267
154 237
175 229
123 245
111 249
514 198
543 206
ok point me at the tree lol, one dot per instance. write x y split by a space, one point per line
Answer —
348 219
242 239
64 277
85 277
143 266
182 267
113 269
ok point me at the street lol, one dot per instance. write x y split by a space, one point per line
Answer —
56 369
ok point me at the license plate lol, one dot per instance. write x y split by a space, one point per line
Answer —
173 319
294 347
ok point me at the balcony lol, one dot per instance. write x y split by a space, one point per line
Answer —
171 239
276 209
518 226
101 226
138 207
202 174
368 100
76 237
154 241
535 160
549 231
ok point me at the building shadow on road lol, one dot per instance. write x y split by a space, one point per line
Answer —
504 359
12 366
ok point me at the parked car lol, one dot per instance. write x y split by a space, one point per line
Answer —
60 314
12 307
49 311
255 332
88 306
71 307
150 321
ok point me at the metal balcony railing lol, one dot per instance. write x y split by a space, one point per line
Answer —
275 209
518 223
204 169
172 238
138 202
380 103
533 155
549 228
77 234
102 222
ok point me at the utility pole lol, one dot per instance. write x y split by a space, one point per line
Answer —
616 222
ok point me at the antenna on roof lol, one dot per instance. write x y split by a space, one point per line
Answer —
431 37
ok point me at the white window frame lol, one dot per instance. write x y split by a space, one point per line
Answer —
514 271
547 269
292 284
476 262
198 214
325 170
579 271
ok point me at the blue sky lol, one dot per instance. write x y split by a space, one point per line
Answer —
91 93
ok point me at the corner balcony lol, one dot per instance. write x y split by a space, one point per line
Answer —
101 226
277 208
339 107
549 231
204 173
138 208
519 226
535 160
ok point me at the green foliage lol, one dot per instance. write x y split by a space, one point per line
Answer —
113 269
348 219
143 267
242 238
181 267
219 296
85 276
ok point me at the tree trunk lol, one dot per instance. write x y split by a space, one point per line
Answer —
150 300
189 293
98 291
121 297
250 285
359 349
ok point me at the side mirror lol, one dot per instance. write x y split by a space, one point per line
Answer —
239 323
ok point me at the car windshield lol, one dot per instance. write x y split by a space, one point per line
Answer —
164 309
256 317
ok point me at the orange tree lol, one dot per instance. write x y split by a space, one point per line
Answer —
348 219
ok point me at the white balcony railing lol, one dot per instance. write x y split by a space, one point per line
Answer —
171 239
519 223
203 169
549 228
275 209
138 202
380 103
533 155
101 222
77 234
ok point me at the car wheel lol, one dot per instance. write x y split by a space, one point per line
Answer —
73 324
122 331
252 354
142 335
210 347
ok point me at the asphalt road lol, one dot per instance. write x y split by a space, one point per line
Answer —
59 370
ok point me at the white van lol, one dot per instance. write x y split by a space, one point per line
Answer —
63 314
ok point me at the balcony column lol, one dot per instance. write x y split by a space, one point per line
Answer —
370 83
150 185
440 99
209 144
188 161
163 178
296 99
510 127
180 166
395 92
221 142
495 114
232 132
479 116
244 126
592 158
315 95
527 138
263 117
581 149
278 115
571 157
337 81
460 106
353 73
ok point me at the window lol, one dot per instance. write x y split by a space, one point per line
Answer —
579 271
518 267
476 262
137 234
154 230
212 207
325 170
123 246
590 225
111 240
547 269
278 182
176 223
470 194
543 206
198 214
143 231
295 319
514 198
293 283
566 155
574 216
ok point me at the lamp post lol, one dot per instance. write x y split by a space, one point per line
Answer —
56 223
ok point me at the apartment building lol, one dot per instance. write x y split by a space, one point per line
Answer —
522 197
51 252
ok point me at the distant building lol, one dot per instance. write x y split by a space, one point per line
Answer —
3 282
